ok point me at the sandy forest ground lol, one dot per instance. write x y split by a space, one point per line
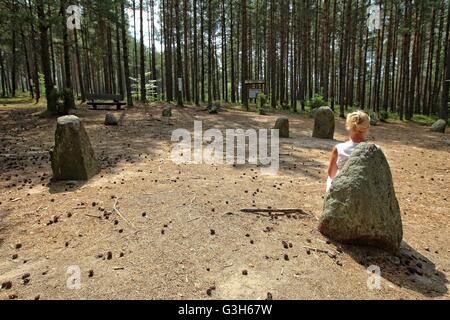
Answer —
181 233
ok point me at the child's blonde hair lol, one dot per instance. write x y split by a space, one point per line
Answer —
358 122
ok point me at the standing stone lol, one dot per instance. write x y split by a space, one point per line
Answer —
282 124
213 110
324 123
373 119
72 157
361 207
167 111
439 126
111 120
312 113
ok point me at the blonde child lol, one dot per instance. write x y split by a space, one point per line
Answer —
358 125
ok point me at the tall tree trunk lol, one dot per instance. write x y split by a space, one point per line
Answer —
50 91
186 31
233 70
119 56
210 48
195 73
69 101
125 54
136 58
443 113
142 52
27 63
179 80
2 75
244 58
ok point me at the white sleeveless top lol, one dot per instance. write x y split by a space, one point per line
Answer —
344 151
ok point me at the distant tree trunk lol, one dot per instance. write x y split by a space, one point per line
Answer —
119 57
136 63
125 55
210 57
179 80
233 70
50 91
437 71
202 45
167 15
333 61
387 65
34 54
27 63
443 114
186 32
244 59
13 50
2 75
154 76
342 62
224 56
142 52
69 101
195 73
429 71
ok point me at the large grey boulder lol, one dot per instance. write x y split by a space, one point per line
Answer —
282 124
361 207
111 120
72 157
439 126
324 124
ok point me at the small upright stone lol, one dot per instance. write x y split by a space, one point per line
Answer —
72 157
324 123
213 110
439 126
373 119
282 124
111 120
167 112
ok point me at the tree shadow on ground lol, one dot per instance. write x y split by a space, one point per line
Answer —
25 141
65 186
407 269
3 225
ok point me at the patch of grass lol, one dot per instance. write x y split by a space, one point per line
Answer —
21 101
426 120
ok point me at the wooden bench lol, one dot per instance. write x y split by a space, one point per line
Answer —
104 99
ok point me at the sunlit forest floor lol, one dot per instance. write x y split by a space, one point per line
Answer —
181 233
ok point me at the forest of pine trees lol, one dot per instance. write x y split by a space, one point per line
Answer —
300 48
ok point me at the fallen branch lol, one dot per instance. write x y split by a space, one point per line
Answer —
331 254
120 215
275 212
92 216
316 250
